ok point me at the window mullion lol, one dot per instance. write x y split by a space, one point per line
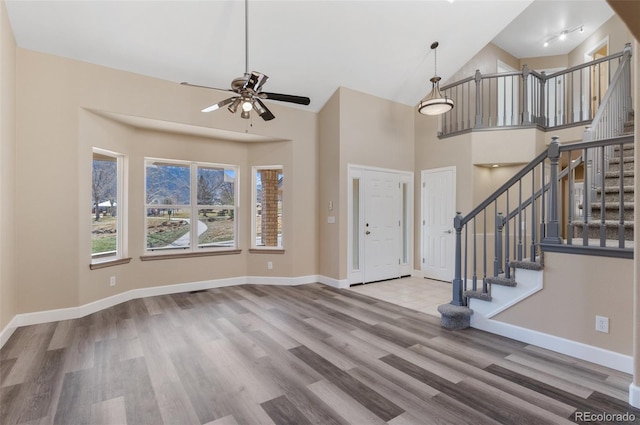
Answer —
194 207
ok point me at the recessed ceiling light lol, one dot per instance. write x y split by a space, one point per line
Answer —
495 166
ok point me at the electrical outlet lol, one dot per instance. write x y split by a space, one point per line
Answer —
112 281
269 265
602 324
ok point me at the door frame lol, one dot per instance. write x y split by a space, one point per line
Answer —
355 171
423 173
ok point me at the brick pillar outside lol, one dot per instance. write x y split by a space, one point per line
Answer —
269 207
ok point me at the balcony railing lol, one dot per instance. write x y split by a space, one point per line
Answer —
528 98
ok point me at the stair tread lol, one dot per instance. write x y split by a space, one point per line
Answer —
526 265
501 280
596 223
625 173
478 295
615 189
611 205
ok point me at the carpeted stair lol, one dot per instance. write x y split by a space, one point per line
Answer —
624 160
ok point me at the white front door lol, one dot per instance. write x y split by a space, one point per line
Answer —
382 220
438 212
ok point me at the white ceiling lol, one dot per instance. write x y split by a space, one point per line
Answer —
306 47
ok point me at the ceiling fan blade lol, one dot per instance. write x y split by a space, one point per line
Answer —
184 83
300 100
262 110
255 81
219 104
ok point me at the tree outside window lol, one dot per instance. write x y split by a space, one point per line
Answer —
175 221
106 198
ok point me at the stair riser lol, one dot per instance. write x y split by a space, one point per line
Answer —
615 166
615 197
612 214
628 152
611 232
614 181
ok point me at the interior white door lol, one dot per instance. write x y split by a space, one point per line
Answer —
438 212
382 215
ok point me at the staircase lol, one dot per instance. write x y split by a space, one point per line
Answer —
618 204
500 244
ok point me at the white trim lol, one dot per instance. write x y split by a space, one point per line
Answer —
26 319
8 330
503 297
571 348
423 176
357 171
634 395
336 283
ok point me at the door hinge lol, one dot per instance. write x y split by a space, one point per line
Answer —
399 223
423 260
423 184
423 222
398 261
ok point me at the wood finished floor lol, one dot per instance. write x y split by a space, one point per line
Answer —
301 355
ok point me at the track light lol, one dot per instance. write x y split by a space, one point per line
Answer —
562 35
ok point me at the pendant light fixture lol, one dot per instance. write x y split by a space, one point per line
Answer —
435 103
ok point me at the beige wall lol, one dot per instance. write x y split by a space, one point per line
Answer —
486 60
614 31
374 132
8 282
545 62
329 188
54 155
576 289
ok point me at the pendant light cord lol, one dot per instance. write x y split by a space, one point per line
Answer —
246 36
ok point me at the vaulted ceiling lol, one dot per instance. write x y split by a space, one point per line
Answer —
306 47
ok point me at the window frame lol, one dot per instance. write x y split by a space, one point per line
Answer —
193 207
120 252
254 210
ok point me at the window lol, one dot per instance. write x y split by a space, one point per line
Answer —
107 233
267 207
190 206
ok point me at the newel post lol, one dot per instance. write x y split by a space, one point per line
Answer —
526 115
553 226
478 77
497 262
458 298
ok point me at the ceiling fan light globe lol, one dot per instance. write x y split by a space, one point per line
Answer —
247 106
245 115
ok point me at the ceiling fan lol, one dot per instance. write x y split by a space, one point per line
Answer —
248 88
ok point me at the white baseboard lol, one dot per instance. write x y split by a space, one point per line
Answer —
336 283
46 316
8 330
634 395
571 348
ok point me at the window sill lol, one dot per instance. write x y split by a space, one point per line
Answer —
266 251
109 263
188 255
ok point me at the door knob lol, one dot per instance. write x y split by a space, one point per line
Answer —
447 231
367 232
